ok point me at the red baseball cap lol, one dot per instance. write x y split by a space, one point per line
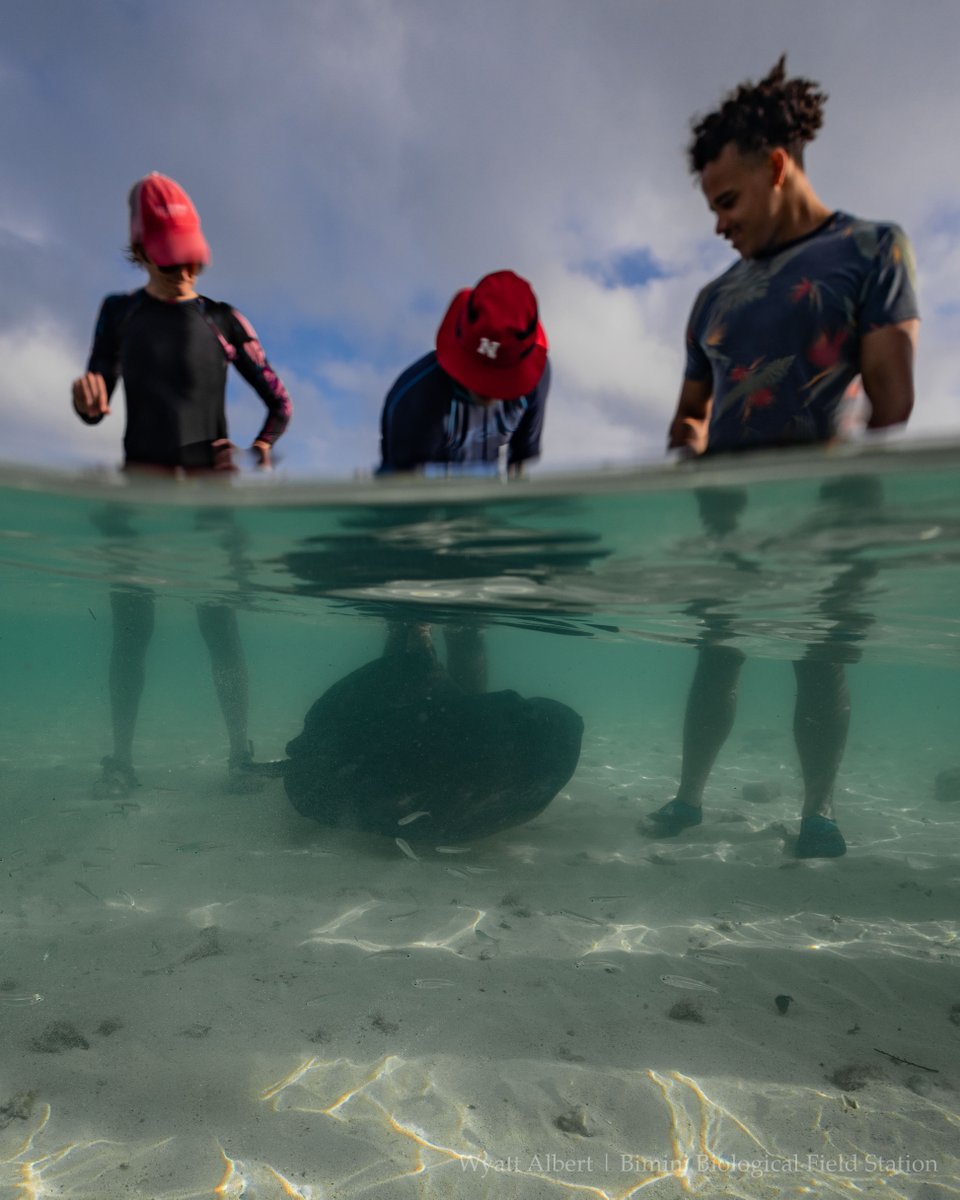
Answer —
164 221
491 340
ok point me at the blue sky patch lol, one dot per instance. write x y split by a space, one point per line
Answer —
626 268
304 344
945 221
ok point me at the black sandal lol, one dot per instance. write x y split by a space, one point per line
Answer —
117 779
674 817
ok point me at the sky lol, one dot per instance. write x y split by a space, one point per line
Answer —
356 162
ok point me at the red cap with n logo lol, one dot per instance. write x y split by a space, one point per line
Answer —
491 340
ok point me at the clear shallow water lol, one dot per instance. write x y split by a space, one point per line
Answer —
304 1008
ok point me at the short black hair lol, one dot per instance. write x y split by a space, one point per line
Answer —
758 117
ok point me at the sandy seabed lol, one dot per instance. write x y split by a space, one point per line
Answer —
203 994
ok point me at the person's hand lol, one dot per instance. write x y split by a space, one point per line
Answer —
90 397
223 450
262 455
688 434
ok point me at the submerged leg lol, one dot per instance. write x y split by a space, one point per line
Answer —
820 724
220 630
133 621
711 708
408 637
466 657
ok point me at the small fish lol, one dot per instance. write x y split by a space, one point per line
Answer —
127 897
681 981
33 998
565 912
599 964
454 871
452 849
411 817
601 899
432 983
481 870
405 849
83 888
390 954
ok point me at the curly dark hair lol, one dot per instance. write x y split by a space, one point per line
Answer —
758 117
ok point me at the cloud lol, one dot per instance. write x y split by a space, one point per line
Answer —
335 429
38 420
357 161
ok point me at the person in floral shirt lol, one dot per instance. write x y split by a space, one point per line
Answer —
816 299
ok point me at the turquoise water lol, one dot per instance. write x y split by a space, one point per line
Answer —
250 1003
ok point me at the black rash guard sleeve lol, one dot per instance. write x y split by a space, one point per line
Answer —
105 354
247 355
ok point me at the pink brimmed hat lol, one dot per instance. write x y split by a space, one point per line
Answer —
164 221
491 340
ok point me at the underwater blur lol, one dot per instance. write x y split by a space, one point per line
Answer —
332 858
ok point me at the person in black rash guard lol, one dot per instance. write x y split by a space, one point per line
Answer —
173 358
172 348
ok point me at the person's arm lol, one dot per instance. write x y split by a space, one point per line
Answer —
92 391
251 361
524 442
888 330
886 367
691 422
395 450
689 429
412 419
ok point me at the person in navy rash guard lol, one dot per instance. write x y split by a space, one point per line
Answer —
478 398
172 348
480 394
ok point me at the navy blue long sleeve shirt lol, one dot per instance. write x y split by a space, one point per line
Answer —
429 419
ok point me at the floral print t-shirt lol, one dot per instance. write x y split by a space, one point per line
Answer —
779 335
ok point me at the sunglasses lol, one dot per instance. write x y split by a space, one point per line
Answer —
176 268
